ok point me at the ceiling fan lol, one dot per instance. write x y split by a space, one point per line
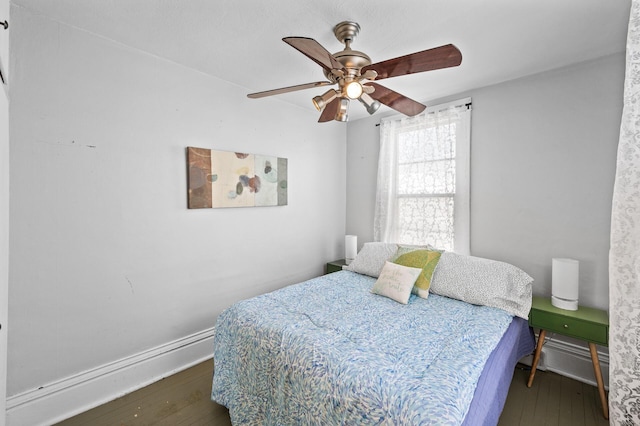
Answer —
354 74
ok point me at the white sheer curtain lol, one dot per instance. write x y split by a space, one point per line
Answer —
624 257
423 178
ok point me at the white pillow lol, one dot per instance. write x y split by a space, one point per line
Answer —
370 260
482 281
396 282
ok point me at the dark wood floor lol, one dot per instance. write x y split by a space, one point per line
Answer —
183 399
552 400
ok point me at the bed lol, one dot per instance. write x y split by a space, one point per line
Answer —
335 350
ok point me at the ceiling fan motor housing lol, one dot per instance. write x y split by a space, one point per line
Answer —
352 59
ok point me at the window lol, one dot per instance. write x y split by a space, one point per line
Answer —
423 178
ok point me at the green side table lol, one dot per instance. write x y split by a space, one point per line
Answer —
335 266
588 324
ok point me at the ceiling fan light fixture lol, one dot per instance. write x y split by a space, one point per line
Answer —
369 103
343 110
353 89
321 101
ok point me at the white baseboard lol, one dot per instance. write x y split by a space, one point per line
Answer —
571 360
72 395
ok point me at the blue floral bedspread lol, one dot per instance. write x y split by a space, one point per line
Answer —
328 352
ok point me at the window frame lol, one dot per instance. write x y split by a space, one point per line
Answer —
461 195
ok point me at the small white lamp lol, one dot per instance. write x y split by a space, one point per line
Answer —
350 247
565 275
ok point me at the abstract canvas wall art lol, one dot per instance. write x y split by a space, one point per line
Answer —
233 179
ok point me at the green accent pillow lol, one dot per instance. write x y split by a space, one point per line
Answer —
427 260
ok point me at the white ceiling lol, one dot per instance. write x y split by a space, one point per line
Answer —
239 41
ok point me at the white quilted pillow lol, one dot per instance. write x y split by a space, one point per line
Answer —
370 260
482 281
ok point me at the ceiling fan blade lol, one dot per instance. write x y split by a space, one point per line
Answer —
288 89
314 51
432 59
330 110
395 100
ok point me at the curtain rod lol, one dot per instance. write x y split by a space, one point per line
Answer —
467 104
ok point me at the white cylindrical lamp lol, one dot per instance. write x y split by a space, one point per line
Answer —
565 274
350 247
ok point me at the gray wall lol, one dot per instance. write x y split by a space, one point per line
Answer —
106 261
543 155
